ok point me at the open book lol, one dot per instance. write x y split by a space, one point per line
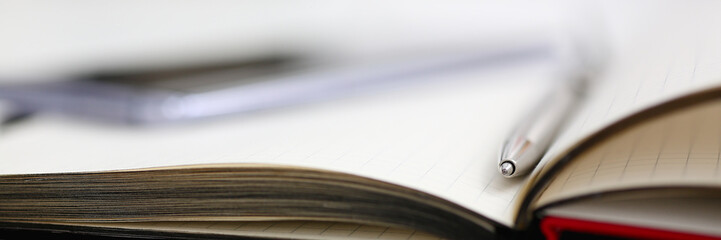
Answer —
397 165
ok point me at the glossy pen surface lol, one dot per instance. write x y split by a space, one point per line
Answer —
532 137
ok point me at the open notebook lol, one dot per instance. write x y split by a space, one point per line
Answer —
420 159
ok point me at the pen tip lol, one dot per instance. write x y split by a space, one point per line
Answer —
507 169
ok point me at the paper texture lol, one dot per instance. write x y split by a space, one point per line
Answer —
282 229
654 69
441 138
682 149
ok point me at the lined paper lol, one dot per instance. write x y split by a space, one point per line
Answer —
654 68
682 149
441 137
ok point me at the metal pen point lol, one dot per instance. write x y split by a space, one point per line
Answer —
507 168
531 138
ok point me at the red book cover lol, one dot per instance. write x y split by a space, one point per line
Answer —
553 227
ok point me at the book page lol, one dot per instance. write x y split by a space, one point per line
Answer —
653 68
280 229
441 137
677 150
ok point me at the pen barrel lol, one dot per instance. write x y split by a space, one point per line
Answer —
530 140
548 117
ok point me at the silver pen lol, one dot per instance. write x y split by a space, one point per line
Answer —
531 138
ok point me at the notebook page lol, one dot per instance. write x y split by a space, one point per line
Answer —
681 149
441 137
282 229
678 55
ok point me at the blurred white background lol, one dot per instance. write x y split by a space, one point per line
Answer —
46 39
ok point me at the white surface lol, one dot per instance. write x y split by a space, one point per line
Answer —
49 39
